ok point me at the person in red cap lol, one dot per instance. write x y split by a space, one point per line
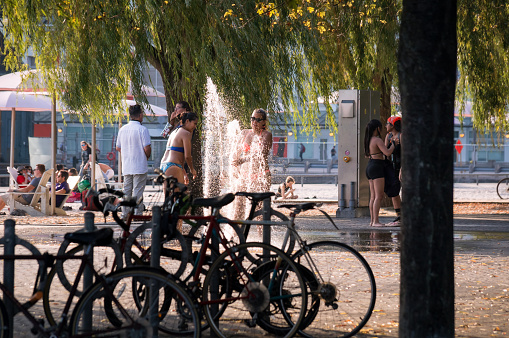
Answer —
393 187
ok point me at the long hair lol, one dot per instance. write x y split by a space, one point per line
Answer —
189 116
371 127
88 144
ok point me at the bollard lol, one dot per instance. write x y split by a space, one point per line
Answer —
266 227
214 284
88 275
10 243
342 200
155 260
351 205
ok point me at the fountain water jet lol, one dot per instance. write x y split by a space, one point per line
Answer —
222 142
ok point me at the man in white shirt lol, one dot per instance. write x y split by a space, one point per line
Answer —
133 142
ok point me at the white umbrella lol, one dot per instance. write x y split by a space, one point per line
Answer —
26 102
16 100
13 81
34 83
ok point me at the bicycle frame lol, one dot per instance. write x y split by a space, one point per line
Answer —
85 262
214 222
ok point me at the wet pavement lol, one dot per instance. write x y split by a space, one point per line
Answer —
481 261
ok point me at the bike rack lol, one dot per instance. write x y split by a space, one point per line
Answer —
10 242
155 262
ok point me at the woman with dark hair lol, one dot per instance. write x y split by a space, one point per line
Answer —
181 108
178 149
375 149
86 151
393 127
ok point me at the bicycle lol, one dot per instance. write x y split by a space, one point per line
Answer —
66 270
503 188
341 286
229 279
128 302
141 256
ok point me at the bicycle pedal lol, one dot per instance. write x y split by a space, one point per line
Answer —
250 322
34 330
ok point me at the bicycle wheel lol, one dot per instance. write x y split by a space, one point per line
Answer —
106 258
275 216
176 311
51 298
4 321
174 252
242 302
503 188
344 295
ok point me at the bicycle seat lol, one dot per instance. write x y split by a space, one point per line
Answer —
99 237
255 196
300 206
216 202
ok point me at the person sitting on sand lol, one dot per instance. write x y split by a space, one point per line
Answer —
286 189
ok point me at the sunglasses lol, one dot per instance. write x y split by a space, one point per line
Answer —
257 119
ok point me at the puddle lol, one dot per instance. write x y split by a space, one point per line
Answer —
464 242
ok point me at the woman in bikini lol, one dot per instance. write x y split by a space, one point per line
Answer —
375 149
251 159
178 149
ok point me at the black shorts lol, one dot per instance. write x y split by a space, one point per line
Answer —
375 169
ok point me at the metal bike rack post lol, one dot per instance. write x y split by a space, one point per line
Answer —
10 243
342 200
266 227
155 262
88 275
214 282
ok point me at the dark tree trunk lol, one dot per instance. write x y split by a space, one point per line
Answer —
427 73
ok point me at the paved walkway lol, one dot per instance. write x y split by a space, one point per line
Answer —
481 261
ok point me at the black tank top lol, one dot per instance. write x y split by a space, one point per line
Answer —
396 154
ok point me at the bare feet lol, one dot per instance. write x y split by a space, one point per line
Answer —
377 225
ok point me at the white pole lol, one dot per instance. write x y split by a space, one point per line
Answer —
53 153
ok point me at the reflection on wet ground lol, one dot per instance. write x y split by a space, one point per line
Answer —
360 240
464 242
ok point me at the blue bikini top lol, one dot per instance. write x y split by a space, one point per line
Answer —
179 149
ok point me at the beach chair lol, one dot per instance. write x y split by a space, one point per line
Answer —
99 178
101 182
13 183
72 181
40 193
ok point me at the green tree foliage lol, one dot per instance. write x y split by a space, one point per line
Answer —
255 51
483 63
89 49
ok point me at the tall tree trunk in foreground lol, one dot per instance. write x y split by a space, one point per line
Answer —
427 73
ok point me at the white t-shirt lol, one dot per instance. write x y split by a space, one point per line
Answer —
132 138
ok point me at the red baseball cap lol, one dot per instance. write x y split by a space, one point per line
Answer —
393 119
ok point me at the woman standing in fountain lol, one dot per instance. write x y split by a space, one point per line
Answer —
251 159
178 149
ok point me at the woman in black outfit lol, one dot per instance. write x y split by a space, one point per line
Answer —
393 126
86 151
375 149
